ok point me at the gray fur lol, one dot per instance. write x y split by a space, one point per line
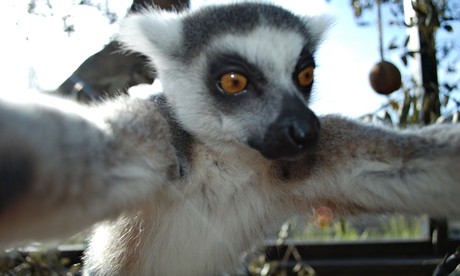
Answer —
17 172
176 185
181 140
239 18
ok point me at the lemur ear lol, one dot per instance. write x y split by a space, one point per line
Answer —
318 27
154 33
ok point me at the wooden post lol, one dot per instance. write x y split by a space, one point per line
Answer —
422 16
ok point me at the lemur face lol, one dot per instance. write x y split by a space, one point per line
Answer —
242 77
260 83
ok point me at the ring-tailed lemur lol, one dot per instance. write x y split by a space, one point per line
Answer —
190 179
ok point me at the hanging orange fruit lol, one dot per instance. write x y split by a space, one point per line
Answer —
385 78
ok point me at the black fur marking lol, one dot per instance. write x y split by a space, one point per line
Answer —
240 18
181 139
305 59
228 62
17 172
222 63
294 171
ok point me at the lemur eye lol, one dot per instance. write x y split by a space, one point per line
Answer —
233 83
305 76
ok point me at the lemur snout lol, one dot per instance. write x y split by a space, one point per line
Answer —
301 134
295 130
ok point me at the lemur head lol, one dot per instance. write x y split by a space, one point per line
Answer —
238 74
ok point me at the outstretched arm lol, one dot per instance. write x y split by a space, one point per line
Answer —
358 167
56 165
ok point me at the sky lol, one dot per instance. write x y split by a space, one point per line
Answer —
38 53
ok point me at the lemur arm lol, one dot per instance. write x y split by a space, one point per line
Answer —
358 167
60 171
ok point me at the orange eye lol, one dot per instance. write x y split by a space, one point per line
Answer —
233 83
305 76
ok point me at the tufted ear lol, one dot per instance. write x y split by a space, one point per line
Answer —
154 33
318 26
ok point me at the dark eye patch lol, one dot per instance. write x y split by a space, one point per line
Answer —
305 60
221 64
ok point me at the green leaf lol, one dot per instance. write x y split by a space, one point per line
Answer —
392 46
404 113
445 100
448 28
415 118
449 87
387 118
394 105
404 59
451 69
406 42
412 53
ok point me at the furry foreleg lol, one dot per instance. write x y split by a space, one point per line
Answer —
61 171
358 167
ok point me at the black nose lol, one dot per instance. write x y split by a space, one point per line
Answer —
297 132
302 133
290 135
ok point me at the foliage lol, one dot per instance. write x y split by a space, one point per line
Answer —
407 106
43 259
46 8
39 263
359 228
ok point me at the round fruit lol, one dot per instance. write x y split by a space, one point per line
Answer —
385 78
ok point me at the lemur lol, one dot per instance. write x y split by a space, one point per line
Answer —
184 182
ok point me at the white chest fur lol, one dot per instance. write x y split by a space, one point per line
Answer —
198 226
